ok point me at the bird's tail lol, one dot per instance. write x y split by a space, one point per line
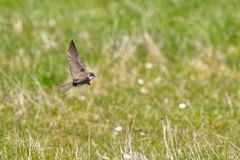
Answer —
64 87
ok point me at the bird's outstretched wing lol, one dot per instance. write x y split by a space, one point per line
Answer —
76 66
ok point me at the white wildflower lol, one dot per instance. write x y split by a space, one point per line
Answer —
140 81
182 106
166 100
141 133
118 129
149 65
148 107
144 90
82 98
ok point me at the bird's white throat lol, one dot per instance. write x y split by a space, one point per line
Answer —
91 77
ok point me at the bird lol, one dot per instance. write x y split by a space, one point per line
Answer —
77 68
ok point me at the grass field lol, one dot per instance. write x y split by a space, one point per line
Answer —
167 86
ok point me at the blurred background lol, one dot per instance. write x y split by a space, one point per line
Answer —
167 83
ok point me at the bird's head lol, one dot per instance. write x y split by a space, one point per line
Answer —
91 76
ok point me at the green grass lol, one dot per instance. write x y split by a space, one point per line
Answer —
192 45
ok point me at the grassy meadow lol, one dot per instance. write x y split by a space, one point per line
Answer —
167 86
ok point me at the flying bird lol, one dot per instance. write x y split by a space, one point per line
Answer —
76 66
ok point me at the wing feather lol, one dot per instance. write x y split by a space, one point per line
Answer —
76 66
